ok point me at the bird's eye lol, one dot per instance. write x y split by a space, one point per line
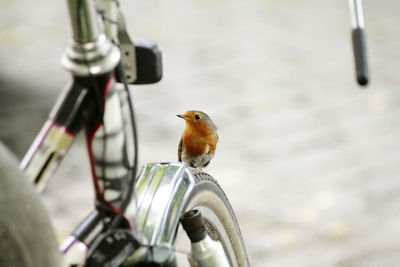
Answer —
197 117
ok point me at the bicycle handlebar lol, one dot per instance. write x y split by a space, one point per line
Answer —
359 42
360 56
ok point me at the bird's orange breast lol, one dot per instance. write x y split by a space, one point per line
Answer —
197 139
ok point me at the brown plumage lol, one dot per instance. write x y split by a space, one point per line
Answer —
199 139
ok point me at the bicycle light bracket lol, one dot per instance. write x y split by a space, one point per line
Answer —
94 51
140 59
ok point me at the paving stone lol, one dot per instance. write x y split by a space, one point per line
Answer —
309 161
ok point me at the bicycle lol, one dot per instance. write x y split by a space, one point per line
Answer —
136 220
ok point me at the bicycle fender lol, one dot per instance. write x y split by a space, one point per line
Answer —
162 189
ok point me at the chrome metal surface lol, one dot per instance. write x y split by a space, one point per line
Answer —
111 149
92 58
215 225
207 252
46 153
216 228
90 52
128 56
109 11
84 23
356 13
76 255
162 191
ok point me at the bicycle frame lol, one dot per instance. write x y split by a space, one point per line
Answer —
91 103
126 225
97 104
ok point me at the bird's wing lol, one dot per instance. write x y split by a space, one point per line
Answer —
180 148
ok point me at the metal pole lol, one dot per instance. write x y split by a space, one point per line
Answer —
85 26
359 43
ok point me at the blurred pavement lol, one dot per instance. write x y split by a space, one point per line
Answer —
310 162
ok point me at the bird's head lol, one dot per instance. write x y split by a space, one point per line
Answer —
198 120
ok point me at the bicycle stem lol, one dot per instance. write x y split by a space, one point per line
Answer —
90 52
85 29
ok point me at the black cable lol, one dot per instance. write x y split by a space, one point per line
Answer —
133 169
98 99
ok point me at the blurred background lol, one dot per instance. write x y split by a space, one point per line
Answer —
310 162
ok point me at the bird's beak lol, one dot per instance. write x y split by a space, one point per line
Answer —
182 116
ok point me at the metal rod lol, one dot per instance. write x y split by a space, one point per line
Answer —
359 42
356 13
84 23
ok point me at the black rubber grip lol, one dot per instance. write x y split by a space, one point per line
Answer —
360 56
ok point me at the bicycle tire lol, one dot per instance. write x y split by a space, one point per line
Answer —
27 237
220 220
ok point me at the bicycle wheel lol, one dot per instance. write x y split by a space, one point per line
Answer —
221 223
165 191
26 234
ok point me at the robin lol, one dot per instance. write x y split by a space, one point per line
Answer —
199 139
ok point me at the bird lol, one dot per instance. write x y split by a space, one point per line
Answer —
199 139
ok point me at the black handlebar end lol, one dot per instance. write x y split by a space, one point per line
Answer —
360 56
